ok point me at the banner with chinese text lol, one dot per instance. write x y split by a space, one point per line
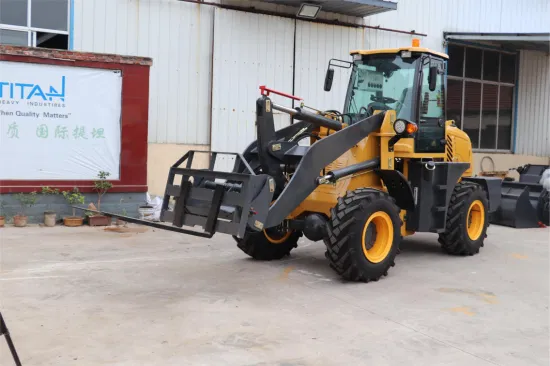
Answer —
59 123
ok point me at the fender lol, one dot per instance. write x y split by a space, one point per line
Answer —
493 188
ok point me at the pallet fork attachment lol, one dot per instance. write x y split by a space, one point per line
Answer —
217 201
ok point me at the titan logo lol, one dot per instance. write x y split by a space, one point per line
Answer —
9 90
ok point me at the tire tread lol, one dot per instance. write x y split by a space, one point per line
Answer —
452 240
258 247
341 255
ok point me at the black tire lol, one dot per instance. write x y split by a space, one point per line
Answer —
346 250
455 240
258 246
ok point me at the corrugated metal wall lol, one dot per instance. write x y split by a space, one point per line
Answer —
533 123
257 52
434 17
316 44
264 55
178 36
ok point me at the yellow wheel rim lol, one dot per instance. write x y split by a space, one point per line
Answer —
278 239
476 220
378 245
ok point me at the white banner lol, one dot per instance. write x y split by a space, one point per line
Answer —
59 123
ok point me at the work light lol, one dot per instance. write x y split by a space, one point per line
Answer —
399 126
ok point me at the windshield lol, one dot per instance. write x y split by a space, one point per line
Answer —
380 82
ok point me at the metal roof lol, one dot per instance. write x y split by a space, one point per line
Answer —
518 41
356 8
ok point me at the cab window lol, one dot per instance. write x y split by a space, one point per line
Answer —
432 103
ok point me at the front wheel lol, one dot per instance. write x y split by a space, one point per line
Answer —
363 235
467 220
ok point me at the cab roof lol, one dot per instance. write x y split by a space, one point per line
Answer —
397 50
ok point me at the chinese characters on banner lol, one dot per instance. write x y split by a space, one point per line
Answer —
62 122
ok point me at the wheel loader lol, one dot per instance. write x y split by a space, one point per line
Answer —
386 166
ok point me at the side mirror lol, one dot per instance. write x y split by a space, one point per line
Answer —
432 77
328 79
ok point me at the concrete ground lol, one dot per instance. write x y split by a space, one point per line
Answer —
83 296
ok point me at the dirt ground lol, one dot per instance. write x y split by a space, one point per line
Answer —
86 296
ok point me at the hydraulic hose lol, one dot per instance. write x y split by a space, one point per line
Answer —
235 187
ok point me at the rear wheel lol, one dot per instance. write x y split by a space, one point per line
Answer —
467 220
363 235
269 244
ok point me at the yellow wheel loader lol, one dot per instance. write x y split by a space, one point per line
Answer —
388 165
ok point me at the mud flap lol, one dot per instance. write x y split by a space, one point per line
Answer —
398 187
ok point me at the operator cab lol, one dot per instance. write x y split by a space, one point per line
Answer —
409 80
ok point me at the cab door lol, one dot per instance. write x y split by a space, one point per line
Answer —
431 109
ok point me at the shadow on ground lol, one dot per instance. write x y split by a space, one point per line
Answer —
412 246
311 258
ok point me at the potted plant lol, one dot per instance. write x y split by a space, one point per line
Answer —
50 217
101 186
2 217
25 201
73 197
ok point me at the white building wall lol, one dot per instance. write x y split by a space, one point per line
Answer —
433 17
264 55
249 50
178 36
255 49
533 114
316 44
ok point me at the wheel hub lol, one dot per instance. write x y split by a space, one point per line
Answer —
370 237
277 235
475 220
377 237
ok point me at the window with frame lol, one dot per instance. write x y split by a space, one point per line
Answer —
35 23
480 94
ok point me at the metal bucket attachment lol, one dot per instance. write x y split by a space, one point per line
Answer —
531 173
217 201
519 206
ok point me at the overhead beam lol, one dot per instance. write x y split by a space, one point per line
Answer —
291 16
